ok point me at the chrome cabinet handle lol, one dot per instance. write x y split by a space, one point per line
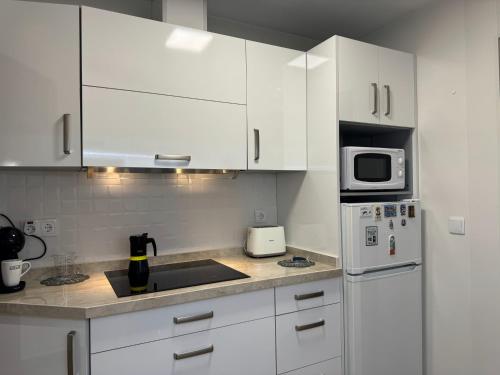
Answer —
256 134
70 352
388 91
163 157
67 134
194 353
301 297
193 318
375 98
305 327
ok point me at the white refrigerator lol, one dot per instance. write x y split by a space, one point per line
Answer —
381 245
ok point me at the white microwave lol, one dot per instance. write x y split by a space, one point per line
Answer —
369 168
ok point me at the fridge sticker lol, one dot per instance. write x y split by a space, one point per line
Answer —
392 245
378 212
371 236
390 210
411 211
402 210
366 211
403 222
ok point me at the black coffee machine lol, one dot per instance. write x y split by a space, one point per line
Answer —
12 241
138 269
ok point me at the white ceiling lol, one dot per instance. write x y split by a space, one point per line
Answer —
315 19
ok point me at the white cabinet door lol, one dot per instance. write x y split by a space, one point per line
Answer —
32 345
307 337
243 349
131 53
359 91
397 85
39 85
331 367
137 130
277 133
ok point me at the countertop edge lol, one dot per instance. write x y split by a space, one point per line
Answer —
92 312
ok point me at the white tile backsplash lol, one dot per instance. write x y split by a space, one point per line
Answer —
96 215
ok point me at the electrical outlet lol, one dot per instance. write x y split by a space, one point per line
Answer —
48 228
32 227
260 216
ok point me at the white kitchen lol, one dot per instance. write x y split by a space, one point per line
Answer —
249 187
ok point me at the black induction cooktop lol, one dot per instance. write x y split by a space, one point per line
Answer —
174 276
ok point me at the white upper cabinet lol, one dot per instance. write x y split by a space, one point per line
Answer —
39 85
131 53
397 70
376 85
358 82
276 107
137 130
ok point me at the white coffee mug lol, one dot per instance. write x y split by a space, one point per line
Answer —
12 270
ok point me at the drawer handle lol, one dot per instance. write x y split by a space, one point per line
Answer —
193 318
161 157
305 327
194 353
301 297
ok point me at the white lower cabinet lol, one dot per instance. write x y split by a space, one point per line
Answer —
123 330
243 349
331 367
307 337
305 296
43 346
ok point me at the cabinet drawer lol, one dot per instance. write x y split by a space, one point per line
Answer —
137 130
131 53
243 349
308 337
305 296
143 326
331 367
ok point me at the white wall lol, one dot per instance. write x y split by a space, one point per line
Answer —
190 13
259 34
457 81
96 216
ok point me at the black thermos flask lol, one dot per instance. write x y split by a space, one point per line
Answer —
138 269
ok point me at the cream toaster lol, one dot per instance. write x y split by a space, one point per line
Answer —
266 241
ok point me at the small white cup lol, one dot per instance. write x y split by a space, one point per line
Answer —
12 271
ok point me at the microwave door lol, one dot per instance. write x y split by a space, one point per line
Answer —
373 168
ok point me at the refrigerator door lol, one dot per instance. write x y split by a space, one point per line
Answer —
380 235
384 322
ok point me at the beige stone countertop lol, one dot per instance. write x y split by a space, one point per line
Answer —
95 297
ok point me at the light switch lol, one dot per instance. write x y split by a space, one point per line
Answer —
456 225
